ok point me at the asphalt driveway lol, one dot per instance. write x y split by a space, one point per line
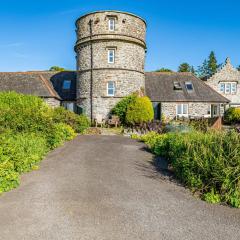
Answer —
105 188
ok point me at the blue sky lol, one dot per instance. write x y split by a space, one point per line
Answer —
38 34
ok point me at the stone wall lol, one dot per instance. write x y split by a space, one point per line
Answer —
127 72
52 102
195 109
226 74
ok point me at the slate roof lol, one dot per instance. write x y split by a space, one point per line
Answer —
160 88
40 83
31 83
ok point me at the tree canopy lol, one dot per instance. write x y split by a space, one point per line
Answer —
185 67
57 69
164 70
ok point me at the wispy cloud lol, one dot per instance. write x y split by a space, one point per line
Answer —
10 45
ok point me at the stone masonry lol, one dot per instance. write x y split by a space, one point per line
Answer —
195 109
226 74
127 71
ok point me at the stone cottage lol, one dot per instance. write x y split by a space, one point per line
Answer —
177 95
110 54
227 83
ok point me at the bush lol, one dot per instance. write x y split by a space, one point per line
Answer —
78 122
139 111
19 153
23 113
58 134
232 115
121 107
207 163
27 133
82 123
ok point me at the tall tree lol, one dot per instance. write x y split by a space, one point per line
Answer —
202 71
212 64
184 67
238 68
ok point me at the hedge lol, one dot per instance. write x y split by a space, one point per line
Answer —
208 163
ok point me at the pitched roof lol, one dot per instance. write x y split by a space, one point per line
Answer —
160 88
31 83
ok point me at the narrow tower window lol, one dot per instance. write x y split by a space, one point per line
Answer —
111 89
111 24
111 55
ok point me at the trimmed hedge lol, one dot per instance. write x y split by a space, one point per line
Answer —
140 111
208 163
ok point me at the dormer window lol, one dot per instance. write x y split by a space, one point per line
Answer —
111 24
66 84
189 86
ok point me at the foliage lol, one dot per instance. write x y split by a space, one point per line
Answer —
209 66
164 70
27 133
78 122
57 69
58 134
23 113
121 107
139 111
208 163
232 115
238 68
185 67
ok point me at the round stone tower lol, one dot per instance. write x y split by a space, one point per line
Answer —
110 54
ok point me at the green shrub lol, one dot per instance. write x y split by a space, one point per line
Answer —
23 113
206 162
121 107
58 134
232 115
24 150
78 122
139 111
82 123
9 178
27 133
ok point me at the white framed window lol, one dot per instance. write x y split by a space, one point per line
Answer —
222 87
233 88
111 55
228 87
111 24
182 110
111 88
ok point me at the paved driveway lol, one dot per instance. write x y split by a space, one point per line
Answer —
105 188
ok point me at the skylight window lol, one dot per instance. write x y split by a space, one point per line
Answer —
177 85
66 84
189 86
